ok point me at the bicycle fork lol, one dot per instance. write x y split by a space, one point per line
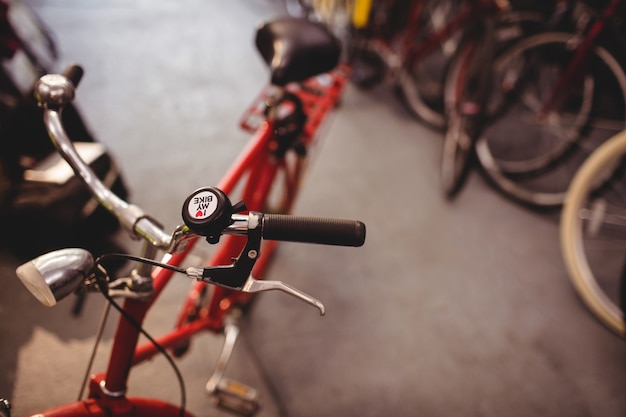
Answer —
227 393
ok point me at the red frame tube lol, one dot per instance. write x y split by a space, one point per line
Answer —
119 408
576 66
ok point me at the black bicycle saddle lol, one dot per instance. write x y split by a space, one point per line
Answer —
296 49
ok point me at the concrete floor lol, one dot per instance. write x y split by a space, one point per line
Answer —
451 308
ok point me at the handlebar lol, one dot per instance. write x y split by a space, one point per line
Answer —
52 92
313 230
301 229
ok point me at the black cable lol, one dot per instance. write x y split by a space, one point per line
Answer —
139 259
104 289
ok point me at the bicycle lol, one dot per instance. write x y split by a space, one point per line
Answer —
554 98
465 91
592 233
305 85
414 42
464 102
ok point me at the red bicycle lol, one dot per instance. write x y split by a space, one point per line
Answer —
306 84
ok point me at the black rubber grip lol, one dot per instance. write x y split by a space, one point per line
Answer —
74 73
324 231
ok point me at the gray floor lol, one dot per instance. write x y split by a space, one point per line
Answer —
451 308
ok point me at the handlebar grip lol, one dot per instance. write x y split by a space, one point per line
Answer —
74 73
313 230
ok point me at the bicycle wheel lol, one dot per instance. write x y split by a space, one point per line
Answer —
465 97
593 232
461 112
531 154
422 81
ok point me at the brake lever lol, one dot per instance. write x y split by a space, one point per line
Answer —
208 212
252 285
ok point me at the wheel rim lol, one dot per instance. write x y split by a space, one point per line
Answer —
572 236
543 180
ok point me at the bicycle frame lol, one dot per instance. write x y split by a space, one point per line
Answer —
255 171
575 68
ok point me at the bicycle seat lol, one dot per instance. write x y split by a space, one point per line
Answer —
296 49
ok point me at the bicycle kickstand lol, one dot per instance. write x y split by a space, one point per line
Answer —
224 392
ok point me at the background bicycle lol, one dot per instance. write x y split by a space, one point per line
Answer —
411 43
454 308
555 97
467 81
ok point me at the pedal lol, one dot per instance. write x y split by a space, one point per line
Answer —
235 396
224 392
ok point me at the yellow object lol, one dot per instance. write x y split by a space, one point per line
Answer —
361 13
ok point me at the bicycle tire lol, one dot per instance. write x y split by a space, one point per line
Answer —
421 83
465 96
457 143
591 215
532 160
